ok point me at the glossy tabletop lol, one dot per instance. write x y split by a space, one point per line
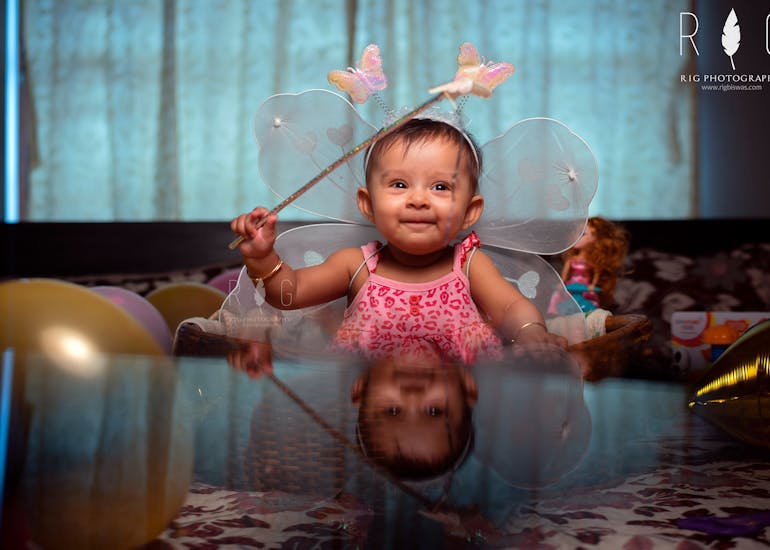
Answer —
263 450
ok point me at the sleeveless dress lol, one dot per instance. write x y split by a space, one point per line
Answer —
434 319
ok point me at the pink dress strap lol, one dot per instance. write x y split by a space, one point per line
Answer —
371 259
371 256
463 248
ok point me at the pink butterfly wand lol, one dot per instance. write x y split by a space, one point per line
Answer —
473 77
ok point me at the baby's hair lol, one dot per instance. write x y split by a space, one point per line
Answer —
425 129
410 466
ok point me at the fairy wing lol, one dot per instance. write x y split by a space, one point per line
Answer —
535 278
309 245
299 136
246 315
539 180
539 282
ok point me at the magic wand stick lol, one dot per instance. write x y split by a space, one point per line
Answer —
342 160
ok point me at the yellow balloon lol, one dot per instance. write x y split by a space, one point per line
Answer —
180 301
109 457
68 322
96 417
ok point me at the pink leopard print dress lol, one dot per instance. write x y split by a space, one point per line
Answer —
421 320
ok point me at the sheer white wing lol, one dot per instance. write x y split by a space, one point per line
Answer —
539 178
532 424
299 136
308 245
538 181
245 313
540 283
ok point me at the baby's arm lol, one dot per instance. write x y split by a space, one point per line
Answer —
516 318
285 287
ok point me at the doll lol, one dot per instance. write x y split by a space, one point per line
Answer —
593 264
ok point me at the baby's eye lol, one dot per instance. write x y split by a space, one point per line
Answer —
393 411
435 411
398 184
441 186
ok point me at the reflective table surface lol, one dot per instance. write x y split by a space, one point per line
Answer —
259 450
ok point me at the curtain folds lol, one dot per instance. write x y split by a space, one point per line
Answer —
143 109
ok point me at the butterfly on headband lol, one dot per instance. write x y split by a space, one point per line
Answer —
474 75
363 81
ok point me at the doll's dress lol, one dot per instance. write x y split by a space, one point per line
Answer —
427 320
581 274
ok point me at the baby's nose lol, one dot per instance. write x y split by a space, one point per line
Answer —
418 196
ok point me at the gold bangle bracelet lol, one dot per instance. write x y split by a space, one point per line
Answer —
525 325
263 278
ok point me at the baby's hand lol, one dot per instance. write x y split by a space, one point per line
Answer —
255 359
257 243
537 334
540 342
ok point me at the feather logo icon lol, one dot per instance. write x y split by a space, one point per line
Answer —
731 36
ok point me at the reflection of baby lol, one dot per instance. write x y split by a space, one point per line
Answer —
415 421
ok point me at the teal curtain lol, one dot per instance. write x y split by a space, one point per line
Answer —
141 109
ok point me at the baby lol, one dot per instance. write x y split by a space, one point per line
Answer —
417 293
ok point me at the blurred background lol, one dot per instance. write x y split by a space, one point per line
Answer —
141 110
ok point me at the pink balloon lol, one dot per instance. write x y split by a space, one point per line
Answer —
141 310
225 281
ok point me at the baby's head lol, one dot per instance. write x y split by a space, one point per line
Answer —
420 130
415 421
422 186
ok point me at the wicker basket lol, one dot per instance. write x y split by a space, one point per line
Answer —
612 353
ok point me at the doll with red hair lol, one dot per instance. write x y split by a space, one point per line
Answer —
593 264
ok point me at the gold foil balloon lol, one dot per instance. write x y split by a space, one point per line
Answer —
95 420
180 301
734 393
